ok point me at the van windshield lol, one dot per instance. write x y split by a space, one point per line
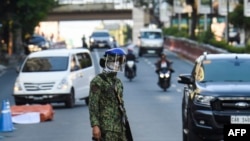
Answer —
46 64
151 35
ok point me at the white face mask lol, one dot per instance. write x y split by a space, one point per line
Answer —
115 66
113 63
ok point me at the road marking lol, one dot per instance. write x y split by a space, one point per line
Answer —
98 59
179 90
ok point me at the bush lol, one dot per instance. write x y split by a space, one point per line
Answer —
174 31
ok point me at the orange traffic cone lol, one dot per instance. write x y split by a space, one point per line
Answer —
6 124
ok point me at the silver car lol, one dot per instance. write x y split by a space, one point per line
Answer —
101 39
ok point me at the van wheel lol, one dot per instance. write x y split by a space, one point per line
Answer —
70 101
140 53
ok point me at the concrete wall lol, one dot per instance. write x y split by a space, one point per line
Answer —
189 49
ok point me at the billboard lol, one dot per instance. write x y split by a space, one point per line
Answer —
165 12
226 6
204 6
247 8
179 6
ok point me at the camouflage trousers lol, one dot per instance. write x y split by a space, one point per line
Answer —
113 136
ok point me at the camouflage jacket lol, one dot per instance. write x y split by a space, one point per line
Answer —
103 103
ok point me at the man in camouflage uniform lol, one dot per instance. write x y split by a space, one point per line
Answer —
105 116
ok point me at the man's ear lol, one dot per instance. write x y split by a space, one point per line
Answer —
102 62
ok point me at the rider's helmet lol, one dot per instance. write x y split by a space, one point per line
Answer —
113 60
163 56
130 50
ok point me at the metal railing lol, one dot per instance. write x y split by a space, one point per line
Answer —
118 4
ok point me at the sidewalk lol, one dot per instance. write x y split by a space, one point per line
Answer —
11 61
2 67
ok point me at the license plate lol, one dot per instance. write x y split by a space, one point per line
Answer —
240 119
38 98
151 51
101 45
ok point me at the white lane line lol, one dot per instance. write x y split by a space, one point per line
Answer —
98 59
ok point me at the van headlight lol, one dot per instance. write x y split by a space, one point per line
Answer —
111 39
64 84
203 99
17 86
92 40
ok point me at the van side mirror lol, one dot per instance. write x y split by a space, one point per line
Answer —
18 69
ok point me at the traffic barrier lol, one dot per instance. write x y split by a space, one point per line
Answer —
6 124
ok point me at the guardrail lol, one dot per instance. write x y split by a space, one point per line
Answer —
190 49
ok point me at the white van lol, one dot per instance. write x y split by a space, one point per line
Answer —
151 41
54 76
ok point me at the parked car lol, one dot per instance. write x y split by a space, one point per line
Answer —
216 93
150 41
101 39
54 76
36 43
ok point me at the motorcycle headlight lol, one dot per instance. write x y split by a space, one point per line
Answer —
162 75
167 75
92 40
203 100
64 84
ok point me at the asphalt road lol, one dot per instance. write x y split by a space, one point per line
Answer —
154 115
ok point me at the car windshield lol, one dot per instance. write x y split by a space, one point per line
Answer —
227 70
151 35
100 34
45 64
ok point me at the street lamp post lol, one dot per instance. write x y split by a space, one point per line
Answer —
227 22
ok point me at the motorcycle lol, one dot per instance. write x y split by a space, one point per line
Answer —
129 71
164 78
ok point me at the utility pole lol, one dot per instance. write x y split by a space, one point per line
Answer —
227 22
211 12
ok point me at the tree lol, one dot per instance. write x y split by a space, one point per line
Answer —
193 16
22 15
31 12
238 19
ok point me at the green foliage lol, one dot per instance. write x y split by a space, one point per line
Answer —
31 12
24 14
174 31
205 36
128 33
237 17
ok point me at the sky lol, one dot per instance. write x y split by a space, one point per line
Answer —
72 31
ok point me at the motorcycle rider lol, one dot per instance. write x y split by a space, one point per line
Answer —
162 63
130 57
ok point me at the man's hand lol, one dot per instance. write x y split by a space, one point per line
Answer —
96 133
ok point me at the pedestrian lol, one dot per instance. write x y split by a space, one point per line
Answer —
84 44
106 105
